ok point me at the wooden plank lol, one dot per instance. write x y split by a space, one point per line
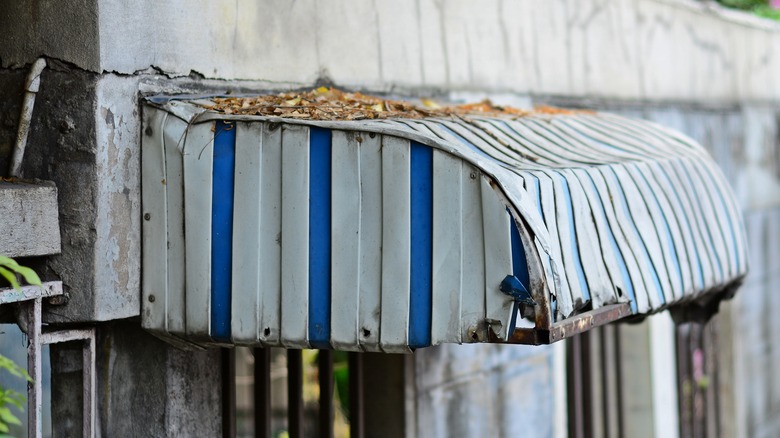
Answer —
295 236
396 235
370 272
345 249
247 244
154 285
447 248
197 162
270 298
498 259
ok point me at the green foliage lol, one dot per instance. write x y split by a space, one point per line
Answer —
757 7
9 398
767 12
9 270
743 4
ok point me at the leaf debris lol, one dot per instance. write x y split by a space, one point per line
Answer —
326 103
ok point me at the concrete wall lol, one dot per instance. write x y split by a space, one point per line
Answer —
490 390
686 64
646 49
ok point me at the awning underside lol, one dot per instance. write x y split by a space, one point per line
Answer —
598 210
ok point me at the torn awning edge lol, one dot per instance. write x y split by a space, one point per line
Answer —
724 262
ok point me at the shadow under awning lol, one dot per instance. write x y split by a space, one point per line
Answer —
395 234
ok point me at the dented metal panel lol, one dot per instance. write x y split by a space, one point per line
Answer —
391 235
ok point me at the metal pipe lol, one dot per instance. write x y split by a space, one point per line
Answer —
31 86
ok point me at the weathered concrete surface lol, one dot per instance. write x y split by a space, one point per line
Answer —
487 390
61 148
146 387
65 29
117 268
657 49
90 151
29 220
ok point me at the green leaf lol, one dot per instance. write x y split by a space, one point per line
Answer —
8 262
8 417
29 275
3 427
15 398
10 366
10 277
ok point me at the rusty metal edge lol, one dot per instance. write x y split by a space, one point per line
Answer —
571 326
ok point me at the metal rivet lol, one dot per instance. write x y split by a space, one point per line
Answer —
151 298
147 216
372 134
473 175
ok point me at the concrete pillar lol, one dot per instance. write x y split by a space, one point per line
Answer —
145 386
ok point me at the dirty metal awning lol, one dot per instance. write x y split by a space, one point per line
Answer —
390 235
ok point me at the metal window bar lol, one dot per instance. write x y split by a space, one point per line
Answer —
262 400
697 376
262 392
356 420
33 296
228 360
325 377
295 393
593 378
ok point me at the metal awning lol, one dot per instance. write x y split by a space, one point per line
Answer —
390 235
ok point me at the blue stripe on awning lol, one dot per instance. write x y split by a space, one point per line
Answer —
421 259
602 216
642 248
575 250
319 237
666 229
688 227
519 267
222 228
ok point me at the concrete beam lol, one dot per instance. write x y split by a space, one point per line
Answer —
30 219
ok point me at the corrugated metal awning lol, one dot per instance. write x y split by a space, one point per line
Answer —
390 235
